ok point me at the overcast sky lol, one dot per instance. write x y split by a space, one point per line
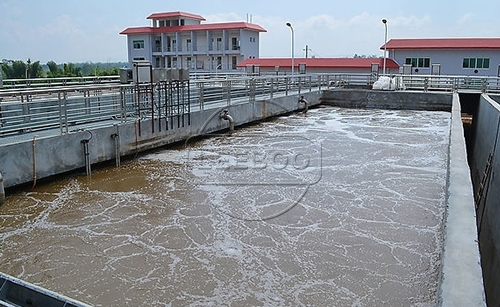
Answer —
88 30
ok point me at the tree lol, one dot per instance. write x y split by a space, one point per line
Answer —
36 70
7 70
54 70
18 70
73 70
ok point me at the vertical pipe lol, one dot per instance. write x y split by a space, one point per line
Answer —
60 112
86 153
86 156
34 161
65 109
116 138
2 190
151 97
384 21
189 104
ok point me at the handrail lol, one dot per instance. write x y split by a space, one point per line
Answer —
59 81
65 107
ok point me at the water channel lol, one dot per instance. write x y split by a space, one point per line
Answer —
336 207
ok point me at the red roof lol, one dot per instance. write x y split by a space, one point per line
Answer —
200 27
169 15
443 43
320 62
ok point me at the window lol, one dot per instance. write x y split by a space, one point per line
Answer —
476 63
234 62
188 44
418 62
173 45
138 59
139 44
235 44
219 43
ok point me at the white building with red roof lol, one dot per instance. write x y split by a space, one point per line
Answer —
181 40
447 56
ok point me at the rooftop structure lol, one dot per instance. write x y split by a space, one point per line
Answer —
447 56
181 40
320 65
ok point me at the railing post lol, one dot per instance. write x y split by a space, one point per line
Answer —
484 85
228 92
252 90
65 101
271 92
123 106
201 95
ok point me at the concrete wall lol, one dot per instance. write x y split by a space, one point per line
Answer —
461 282
40 157
461 273
431 101
487 185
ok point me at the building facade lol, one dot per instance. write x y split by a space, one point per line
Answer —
447 56
181 40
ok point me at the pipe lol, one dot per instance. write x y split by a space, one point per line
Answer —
34 162
2 190
116 137
306 104
224 115
86 153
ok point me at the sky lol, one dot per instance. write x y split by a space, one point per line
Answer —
72 31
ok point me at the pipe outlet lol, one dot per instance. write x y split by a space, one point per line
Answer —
225 116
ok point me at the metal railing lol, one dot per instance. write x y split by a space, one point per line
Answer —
67 107
61 81
451 83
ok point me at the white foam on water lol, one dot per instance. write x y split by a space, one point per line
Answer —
155 231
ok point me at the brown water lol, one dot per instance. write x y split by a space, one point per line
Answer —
339 207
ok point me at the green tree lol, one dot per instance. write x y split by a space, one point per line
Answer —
54 70
6 69
36 70
19 69
73 70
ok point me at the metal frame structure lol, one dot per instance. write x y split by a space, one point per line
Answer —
172 102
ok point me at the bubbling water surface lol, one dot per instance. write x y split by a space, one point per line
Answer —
338 207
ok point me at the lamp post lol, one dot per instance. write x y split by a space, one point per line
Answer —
1 72
293 58
384 21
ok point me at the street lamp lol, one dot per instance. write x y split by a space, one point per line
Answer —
1 72
293 58
384 21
